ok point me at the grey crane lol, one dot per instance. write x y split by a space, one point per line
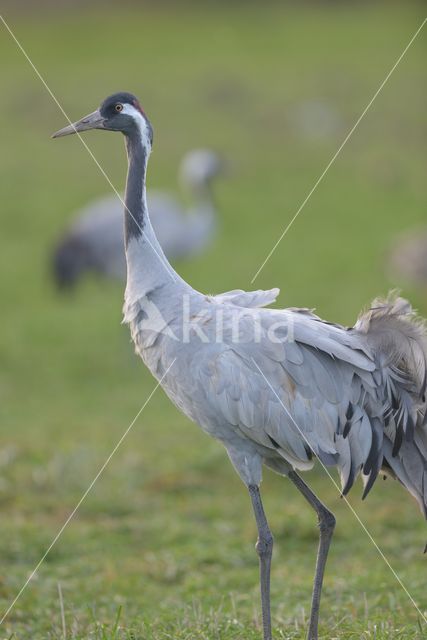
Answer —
94 241
278 387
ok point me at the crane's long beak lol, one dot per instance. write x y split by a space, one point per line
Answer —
91 121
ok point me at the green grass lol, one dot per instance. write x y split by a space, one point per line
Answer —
162 548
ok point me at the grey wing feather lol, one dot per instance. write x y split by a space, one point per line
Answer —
398 341
292 405
354 398
248 299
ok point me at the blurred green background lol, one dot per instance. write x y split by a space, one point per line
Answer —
164 542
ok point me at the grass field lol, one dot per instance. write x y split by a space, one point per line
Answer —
162 547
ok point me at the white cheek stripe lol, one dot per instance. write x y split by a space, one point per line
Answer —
141 123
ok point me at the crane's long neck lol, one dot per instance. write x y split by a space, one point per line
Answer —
147 265
136 212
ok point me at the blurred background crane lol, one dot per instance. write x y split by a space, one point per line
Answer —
94 241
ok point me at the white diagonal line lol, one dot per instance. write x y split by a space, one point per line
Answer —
76 508
340 148
345 498
164 262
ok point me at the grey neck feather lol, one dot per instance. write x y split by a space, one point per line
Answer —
147 266
136 206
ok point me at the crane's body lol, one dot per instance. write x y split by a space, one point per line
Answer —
278 387
94 242
318 389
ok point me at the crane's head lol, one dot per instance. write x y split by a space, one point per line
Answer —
119 112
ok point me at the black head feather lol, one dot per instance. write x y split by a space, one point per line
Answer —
107 107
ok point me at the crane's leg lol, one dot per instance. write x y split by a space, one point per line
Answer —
264 548
326 526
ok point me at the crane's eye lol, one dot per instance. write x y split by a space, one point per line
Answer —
118 107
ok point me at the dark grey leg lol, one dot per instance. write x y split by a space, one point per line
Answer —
326 526
264 548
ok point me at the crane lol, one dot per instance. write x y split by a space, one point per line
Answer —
94 241
278 387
